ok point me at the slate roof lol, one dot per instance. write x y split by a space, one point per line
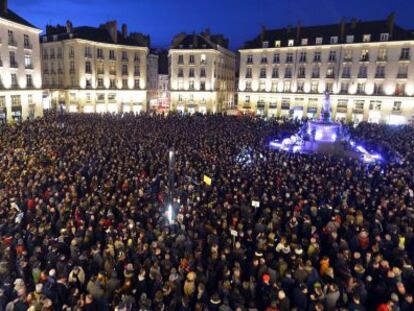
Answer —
13 17
194 41
357 29
96 34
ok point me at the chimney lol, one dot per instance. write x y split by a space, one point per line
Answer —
195 40
342 24
263 33
124 30
112 28
4 7
207 33
390 23
69 26
298 29
353 23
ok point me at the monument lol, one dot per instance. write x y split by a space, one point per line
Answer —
324 136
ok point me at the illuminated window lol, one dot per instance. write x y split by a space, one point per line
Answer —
305 41
277 43
366 38
350 39
291 42
318 40
384 36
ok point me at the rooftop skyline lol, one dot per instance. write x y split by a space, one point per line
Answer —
162 19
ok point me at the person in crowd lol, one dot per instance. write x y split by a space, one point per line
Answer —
84 217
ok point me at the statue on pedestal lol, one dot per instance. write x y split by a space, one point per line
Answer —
326 108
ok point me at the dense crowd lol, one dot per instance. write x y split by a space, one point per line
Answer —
83 222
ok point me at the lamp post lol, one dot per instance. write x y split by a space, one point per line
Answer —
171 164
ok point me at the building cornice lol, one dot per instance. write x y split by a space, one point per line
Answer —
18 25
329 46
100 44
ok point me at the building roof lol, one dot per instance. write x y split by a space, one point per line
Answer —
97 34
341 30
13 17
199 41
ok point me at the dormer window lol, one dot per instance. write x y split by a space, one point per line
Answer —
55 37
277 43
305 41
384 36
350 39
265 44
190 46
366 38
334 40
319 40
291 42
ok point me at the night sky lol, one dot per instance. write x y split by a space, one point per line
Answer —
239 20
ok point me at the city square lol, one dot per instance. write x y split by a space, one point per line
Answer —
274 176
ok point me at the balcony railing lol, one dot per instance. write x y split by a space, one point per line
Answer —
29 84
346 76
302 60
301 75
112 72
14 65
288 75
332 59
382 58
289 60
402 76
347 58
136 73
28 46
362 75
317 60
137 60
12 42
124 59
379 76
405 57
364 58
100 72
330 76
71 55
29 66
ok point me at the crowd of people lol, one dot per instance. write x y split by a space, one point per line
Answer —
84 222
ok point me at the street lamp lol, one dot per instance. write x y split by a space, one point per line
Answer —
171 164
